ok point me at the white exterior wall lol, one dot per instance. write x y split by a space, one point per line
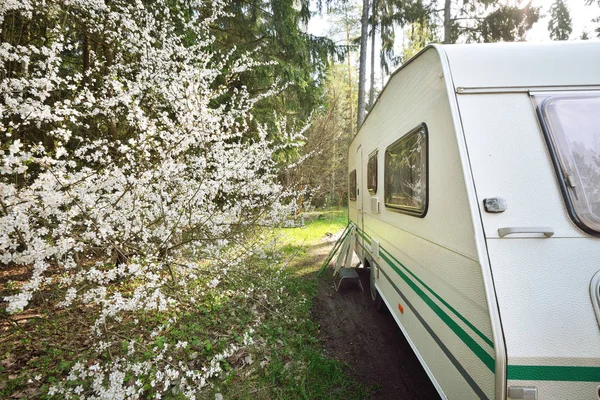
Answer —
446 285
485 141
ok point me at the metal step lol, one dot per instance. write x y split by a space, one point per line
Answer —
346 273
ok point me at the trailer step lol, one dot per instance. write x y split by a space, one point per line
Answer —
346 273
336 247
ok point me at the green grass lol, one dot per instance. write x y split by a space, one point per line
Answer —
317 225
298 243
297 366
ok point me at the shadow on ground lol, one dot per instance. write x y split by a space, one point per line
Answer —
370 342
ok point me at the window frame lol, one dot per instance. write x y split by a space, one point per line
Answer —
375 155
403 209
555 155
351 177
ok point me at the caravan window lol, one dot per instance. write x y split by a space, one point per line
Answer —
352 185
372 173
572 126
405 173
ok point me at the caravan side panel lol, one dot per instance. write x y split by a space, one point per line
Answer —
430 275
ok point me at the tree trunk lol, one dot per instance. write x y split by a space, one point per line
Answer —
333 167
372 80
350 100
447 22
362 73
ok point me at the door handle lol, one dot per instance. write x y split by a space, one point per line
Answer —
546 230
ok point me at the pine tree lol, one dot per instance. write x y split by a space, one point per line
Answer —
362 70
419 35
273 31
381 16
560 21
482 20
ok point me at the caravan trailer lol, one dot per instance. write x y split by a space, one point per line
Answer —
474 188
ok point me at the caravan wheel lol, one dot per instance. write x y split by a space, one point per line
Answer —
375 296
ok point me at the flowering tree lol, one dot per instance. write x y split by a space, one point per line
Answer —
118 158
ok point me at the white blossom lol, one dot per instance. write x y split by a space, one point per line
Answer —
183 181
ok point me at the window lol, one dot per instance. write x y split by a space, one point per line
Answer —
571 123
405 173
352 185
372 173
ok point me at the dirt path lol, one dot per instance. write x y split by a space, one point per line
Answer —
370 342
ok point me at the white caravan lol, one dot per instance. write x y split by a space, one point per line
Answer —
475 190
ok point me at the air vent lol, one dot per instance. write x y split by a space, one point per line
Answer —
595 295
375 204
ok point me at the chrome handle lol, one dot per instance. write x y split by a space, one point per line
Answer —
546 230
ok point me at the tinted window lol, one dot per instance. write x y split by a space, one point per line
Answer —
405 173
372 173
572 123
352 185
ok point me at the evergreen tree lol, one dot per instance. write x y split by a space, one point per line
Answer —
326 150
388 15
595 20
559 25
273 31
419 35
344 27
383 16
483 20
362 69
584 35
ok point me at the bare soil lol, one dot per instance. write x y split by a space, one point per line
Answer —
368 341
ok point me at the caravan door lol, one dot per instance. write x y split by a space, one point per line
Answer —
539 154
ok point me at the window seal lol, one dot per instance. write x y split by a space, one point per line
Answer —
404 209
558 169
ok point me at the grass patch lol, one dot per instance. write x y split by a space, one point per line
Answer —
301 245
296 367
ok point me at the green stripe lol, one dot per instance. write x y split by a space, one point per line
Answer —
460 332
444 302
364 235
553 373
515 372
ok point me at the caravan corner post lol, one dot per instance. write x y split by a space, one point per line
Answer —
477 202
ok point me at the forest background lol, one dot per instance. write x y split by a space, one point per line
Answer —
151 151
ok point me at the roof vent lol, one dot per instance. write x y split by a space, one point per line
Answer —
595 295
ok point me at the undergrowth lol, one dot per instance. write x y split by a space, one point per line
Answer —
250 334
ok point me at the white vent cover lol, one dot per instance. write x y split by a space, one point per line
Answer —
595 294
375 203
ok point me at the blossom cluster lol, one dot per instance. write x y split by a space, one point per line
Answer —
126 146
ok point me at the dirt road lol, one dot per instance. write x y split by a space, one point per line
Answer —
370 342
